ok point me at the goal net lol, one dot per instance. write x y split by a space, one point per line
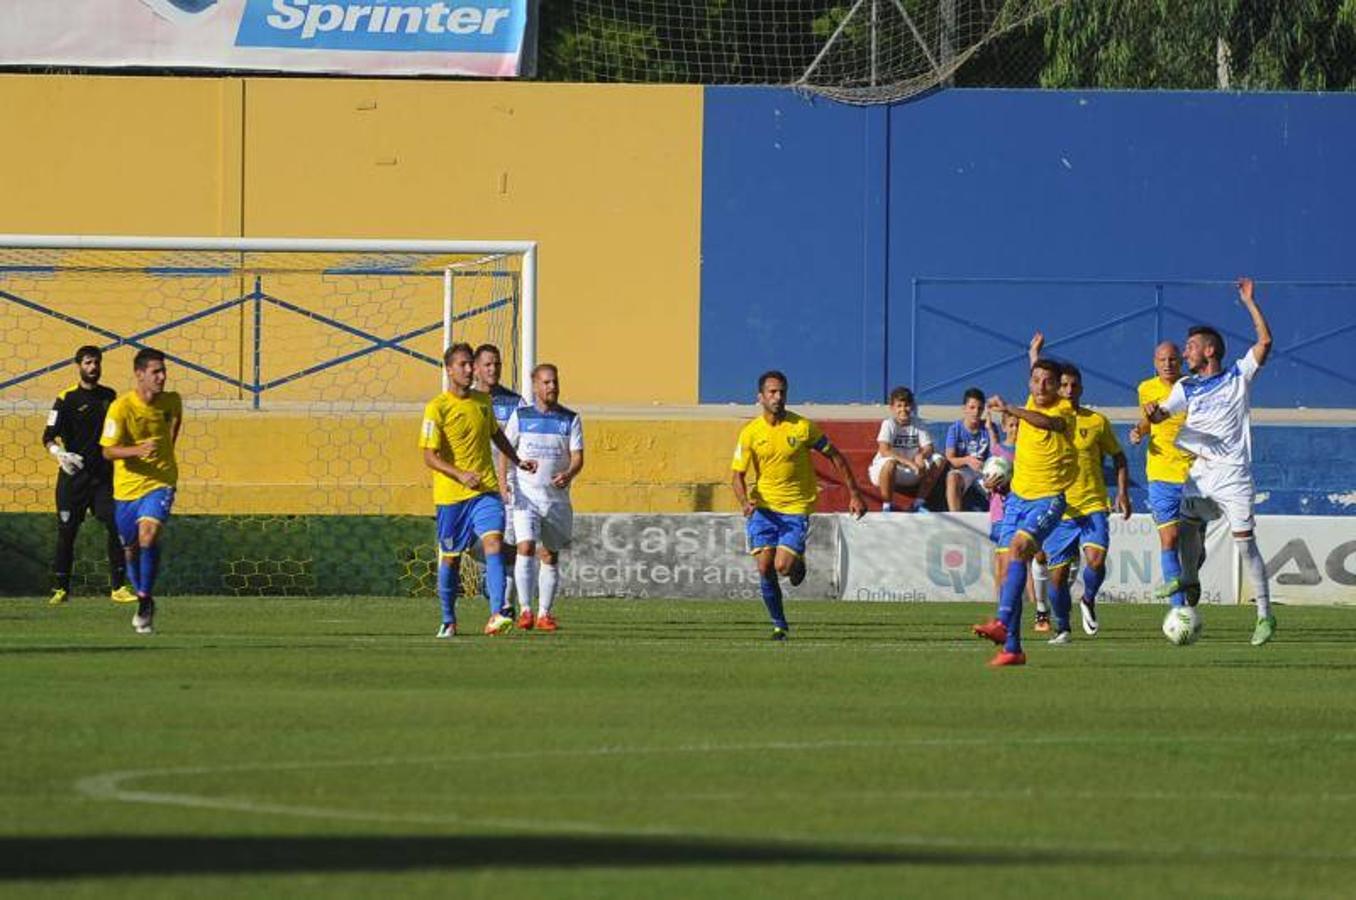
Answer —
304 368
858 51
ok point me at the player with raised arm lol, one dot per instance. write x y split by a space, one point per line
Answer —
1166 466
1218 432
1043 469
1085 524
84 478
488 367
141 432
455 438
553 437
777 445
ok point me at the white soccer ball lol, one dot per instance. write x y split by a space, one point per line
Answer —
1182 625
997 467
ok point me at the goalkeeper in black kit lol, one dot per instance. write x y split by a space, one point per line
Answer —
85 478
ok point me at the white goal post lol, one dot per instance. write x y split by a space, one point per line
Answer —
527 324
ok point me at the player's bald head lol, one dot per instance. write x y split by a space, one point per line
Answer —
1168 361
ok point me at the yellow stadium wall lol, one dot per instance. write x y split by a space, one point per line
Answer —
241 463
606 178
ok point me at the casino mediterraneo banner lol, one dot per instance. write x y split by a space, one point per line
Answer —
485 38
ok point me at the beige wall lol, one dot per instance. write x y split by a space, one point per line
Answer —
606 178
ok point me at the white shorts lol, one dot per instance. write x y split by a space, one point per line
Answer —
906 476
551 525
970 478
1211 491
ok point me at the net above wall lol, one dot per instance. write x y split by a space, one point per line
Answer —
858 51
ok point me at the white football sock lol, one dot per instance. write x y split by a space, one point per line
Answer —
524 574
1040 583
550 578
1257 573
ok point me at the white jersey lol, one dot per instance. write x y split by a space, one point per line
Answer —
904 439
1218 427
549 438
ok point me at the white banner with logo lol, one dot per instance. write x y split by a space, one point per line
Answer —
945 556
376 37
1310 559
700 556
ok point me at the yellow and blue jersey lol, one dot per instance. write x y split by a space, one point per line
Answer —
1093 438
459 430
1164 461
1045 459
131 420
780 456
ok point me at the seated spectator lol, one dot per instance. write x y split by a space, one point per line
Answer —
996 487
967 447
905 460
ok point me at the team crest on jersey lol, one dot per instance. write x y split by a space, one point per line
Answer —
1082 432
791 440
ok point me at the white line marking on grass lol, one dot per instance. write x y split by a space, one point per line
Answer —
110 786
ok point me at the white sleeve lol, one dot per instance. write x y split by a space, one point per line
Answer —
511 428
887 432
1247 366
576 435
1176 401
924 439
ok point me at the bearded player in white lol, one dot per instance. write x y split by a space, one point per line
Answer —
543 519
1218 432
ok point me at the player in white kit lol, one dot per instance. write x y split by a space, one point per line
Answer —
1218 432
543 519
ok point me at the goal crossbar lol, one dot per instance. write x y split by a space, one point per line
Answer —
528 249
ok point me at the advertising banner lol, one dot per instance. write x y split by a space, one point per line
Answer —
375 37
946 556
697 556
1310 559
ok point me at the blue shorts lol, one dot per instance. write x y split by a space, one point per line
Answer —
461 523
1165 502
127 513
1036 518
773 529
1092 530
995 531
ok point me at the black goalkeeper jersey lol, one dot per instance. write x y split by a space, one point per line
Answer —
77 417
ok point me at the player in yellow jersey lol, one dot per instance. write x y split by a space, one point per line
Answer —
458 430
141 431
1043 469
1086 523
777 446
1167 467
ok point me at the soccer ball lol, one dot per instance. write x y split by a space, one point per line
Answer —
1182 625
997 467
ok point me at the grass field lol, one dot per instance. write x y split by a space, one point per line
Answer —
287 747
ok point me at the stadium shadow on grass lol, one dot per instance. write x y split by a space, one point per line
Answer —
78 857
72 648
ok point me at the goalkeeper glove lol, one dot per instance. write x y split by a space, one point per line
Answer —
70 463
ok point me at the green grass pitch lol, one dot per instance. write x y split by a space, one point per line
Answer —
333 747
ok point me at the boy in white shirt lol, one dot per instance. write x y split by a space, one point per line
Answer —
905 460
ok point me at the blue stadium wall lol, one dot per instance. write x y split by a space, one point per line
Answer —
921 244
